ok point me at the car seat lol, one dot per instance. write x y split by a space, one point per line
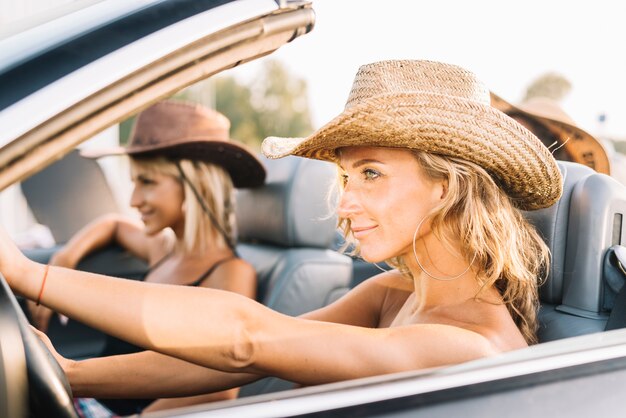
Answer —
579 229
68 194
286 232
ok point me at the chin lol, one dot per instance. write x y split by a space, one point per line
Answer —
150 230
379 253
372 257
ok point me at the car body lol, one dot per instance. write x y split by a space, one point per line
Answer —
73 76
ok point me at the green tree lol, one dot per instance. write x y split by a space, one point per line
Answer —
274 103
233 100
281 102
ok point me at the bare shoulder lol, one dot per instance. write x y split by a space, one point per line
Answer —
365 304
377 289
236 265
390 290
235 275
389 280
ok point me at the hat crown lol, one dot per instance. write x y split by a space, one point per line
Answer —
174 122
410 76
546 108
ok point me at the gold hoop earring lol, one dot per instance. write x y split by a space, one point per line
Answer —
443 279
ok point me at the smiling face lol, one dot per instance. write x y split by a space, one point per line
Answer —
158 198
386 194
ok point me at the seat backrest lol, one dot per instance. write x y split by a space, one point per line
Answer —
69 194
286 231
579 229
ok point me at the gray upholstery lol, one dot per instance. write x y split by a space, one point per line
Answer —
285 232
579 229
68 194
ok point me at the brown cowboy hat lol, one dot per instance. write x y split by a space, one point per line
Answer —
441 109
579 145
182 130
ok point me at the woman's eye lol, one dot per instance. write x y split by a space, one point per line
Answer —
344 179
370 174
146 181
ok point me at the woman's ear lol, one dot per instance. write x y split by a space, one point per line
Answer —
444 188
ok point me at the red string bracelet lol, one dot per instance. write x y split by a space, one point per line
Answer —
43 283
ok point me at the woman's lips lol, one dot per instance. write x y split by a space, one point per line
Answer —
361 232
146 216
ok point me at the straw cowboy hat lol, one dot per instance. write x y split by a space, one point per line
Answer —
181 130
579 145
440 109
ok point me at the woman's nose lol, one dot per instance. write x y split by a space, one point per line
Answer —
136 198
348 205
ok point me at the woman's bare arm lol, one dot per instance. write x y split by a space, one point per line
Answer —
147 375
225 331
99 233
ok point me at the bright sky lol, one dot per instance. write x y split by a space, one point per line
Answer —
507 44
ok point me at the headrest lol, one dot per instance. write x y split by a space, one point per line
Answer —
552 223
579 228
292 208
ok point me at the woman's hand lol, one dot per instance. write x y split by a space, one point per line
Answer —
62 259
40 315
12 262
63 362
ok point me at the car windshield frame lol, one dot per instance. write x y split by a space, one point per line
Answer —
79 38
138 74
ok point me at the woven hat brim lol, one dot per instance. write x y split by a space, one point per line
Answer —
585 149
445 125
243 166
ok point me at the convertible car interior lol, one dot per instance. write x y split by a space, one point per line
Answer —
100 62
287 231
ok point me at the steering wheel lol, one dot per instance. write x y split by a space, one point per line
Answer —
50 394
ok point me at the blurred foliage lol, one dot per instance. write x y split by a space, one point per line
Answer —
274 103
125 128
550 85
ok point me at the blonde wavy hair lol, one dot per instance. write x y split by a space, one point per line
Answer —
509 253
216 189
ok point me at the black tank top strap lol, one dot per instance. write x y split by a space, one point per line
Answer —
210 271
159 262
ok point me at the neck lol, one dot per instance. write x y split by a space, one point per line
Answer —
210 248
453 282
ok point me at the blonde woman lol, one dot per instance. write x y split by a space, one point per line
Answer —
181 160
433 180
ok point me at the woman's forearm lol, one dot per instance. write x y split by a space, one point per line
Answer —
93 236
204 326
147 375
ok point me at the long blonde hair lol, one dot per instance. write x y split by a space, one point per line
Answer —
216 189
509 253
